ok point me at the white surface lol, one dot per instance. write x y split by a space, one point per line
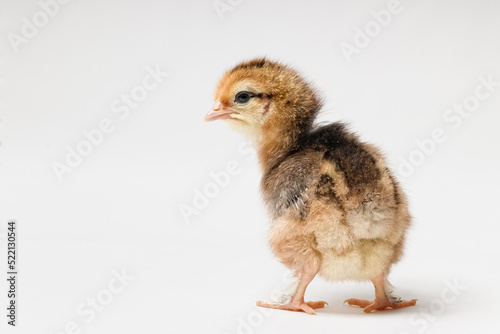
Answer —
120 207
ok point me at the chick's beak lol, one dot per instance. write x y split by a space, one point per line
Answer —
218 112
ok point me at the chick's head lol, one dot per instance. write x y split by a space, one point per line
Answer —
262 93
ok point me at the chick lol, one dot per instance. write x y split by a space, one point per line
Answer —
336 209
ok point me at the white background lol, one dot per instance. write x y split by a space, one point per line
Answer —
120 208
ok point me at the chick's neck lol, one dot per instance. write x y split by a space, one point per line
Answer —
281 136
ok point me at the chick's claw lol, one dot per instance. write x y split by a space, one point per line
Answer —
297 306
378 304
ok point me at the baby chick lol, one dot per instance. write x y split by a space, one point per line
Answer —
336 208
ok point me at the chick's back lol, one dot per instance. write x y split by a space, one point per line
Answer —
333 199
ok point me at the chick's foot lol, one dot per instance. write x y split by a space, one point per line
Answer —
298 306
379 304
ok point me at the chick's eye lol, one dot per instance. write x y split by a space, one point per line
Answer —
242 97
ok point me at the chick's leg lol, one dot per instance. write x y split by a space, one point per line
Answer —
382 300
297 302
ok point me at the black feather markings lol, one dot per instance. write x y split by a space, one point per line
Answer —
344 150
337 145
